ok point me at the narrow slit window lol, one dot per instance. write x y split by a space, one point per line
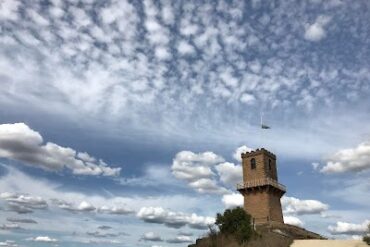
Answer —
253 163
270 167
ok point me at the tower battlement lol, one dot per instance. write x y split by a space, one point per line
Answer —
258 151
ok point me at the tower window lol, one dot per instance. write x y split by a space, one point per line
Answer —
270 168
253 163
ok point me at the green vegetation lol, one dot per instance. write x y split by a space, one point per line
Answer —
367 235
237 223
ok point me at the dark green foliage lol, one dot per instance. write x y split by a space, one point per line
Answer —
235 222
367 236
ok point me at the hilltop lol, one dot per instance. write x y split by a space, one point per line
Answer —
272 234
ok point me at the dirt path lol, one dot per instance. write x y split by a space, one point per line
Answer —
328 243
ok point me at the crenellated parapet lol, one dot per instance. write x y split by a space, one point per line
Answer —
258 151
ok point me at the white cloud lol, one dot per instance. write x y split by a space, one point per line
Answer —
8 243
291 220
229 79
116 210
180 239
160 215
349 160
185 48
293 205
151 236
315 166
247 98
167 14
349 228
20 142
233 200
230 173
45 239
205 185
196 169
316 31
237 155
9 9
9 227
162 53
23 204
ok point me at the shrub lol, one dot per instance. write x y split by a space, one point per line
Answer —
235 222
367 235
212 235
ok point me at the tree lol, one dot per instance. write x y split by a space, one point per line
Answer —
367 235
235 222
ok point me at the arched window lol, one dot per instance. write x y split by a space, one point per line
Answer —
253 163
270 167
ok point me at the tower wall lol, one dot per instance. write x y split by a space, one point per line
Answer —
276 213
262 157
263 205
261 190
256 203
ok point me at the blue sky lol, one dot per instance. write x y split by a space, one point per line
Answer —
121 122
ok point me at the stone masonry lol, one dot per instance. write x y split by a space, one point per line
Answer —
260 187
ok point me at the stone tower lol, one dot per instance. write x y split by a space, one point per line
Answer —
260 187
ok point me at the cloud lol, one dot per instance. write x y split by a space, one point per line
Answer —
196 169
21 220
11 226
292 205
230 173
179 239
98 234
23 204
8 243
160 215
315 166
20 142
81 207
9 9
116 210
344 228
151 236
248 98
85 206
349 160
316 31
233 200
291 220
103 227
103 241
185 48
45 239
237 155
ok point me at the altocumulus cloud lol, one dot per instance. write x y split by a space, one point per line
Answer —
316 31
45 239
160 215
180 239
19 142
151 236
8 243
196 169
22 203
